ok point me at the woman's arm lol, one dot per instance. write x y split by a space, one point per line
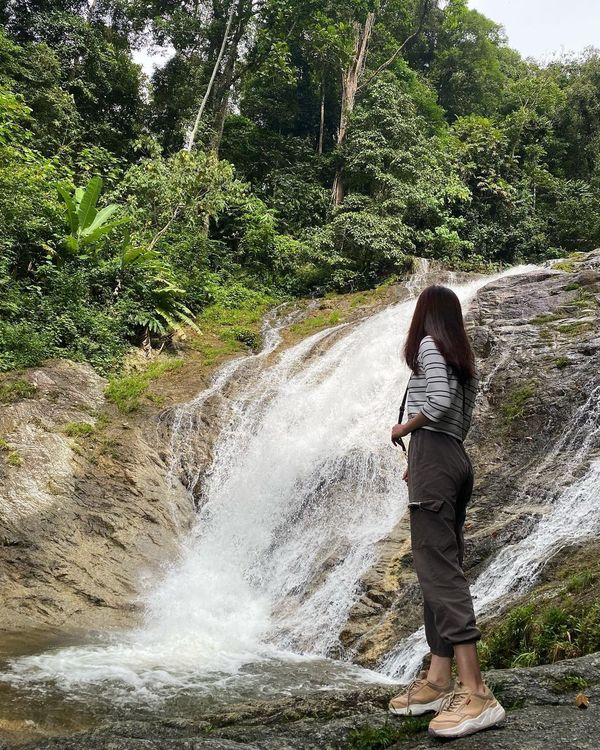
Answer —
402 430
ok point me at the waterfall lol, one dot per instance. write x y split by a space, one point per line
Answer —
303 484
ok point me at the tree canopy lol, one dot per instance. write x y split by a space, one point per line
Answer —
286 147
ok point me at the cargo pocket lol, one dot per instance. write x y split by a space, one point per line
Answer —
428 523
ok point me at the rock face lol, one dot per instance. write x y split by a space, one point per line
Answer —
85 509
537 339
540 702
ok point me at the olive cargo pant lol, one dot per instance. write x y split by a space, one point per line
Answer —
440 482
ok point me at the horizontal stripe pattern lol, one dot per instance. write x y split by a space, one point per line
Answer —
437 393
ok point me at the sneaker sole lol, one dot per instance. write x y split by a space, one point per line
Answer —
417 709
486 719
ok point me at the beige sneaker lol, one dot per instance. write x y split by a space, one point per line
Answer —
466 712
420 697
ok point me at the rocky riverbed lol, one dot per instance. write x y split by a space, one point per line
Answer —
541 702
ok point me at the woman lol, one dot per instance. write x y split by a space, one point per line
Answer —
440 398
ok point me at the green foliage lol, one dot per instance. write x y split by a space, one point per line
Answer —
368 737
128 391
562 362
542 633
15 390
571 683
456 149
87 224
78 429
14 458
515 403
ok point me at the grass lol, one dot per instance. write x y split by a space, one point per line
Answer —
14 458
581 581
15 390
546 631
368 737
565 265
516 403
79 429
129 391
315 322
571 683
574 329
228 329
562 362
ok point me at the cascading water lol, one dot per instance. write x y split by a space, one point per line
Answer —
303 484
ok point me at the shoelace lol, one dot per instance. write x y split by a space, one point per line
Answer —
455 701
416 683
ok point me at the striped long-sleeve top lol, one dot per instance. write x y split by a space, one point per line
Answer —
437 392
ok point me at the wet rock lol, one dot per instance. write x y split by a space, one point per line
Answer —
541 714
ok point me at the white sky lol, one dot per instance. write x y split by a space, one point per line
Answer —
544 28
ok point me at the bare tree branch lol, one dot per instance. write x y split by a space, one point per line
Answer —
425 8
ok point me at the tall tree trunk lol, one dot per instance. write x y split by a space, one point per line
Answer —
221 99
322 119
350 78
192 136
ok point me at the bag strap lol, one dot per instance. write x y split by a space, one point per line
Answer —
401 416
402 406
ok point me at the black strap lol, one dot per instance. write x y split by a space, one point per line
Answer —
401 417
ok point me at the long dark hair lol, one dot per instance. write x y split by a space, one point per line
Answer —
438 314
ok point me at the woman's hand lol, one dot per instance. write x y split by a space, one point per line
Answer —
405 475
398 432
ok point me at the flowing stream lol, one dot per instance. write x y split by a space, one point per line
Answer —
303 484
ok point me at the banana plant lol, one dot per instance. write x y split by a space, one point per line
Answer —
86 222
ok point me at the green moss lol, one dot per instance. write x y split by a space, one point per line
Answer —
516 402
368 737
78 429
549 317
572 285
128 391
14 458
562 362
358 300
571 683
565 266
316 322
14 390
575 328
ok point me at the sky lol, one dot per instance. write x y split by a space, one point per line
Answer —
544 28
